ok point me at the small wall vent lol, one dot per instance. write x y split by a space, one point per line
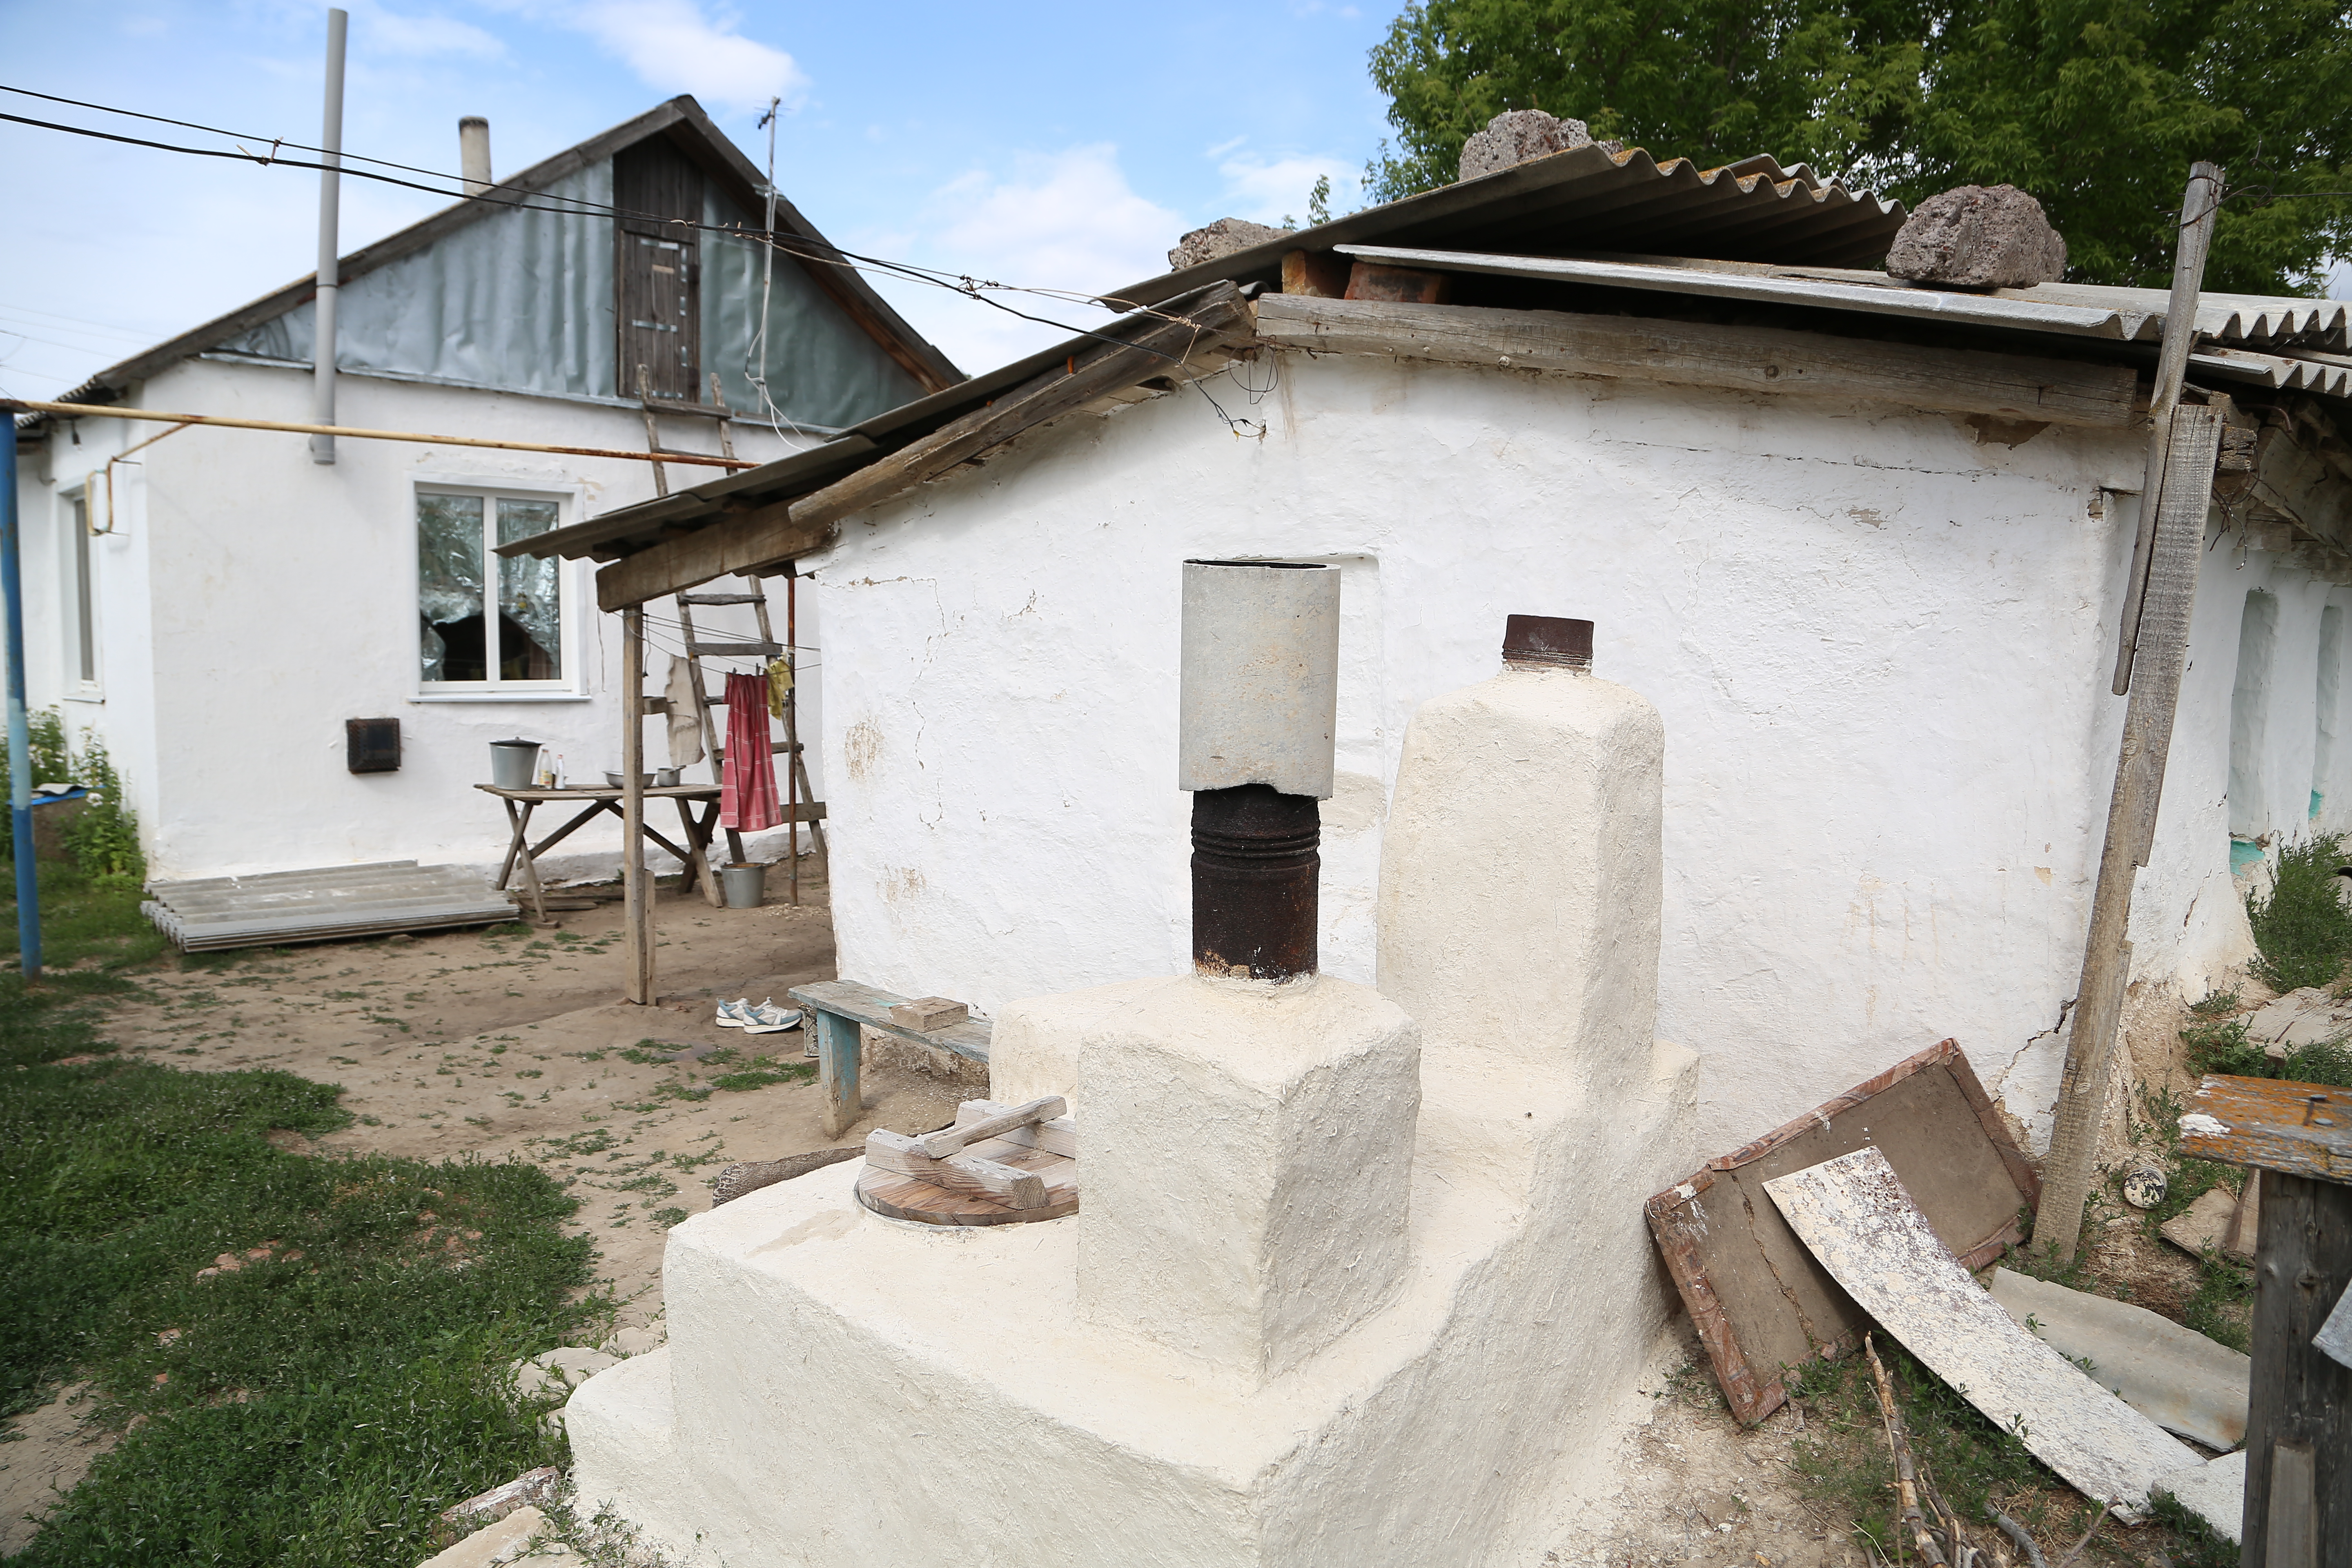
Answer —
372 745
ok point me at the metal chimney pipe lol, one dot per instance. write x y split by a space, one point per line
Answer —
329 275
474 153
1260 700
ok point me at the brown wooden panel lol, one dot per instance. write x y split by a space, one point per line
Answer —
657 286
2275 1125
1760 1300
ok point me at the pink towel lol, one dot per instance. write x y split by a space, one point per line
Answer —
747 785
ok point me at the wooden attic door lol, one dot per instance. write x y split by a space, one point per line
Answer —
655 278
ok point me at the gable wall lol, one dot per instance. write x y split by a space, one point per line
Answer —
1881 651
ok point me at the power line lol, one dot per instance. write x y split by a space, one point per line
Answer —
964 284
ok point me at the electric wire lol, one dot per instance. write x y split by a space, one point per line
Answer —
964 284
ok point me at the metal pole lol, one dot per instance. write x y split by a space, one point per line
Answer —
330 276
20 741
636 889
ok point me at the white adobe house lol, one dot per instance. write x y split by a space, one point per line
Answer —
1863 544
217 623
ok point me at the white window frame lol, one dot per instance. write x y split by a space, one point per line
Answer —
78 598
577 589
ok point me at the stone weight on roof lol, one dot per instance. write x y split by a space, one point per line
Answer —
1516 135
1222 237
1979 237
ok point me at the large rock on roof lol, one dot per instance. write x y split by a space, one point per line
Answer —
1222 237
1979 237
1516 135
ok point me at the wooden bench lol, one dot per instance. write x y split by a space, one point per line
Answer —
837 1010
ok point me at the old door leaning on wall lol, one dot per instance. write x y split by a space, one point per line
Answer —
656 275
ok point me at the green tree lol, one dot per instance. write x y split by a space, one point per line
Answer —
1710 80
2096 106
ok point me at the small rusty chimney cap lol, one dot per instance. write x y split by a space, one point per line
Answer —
1548 641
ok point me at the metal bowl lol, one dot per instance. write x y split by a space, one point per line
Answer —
614 779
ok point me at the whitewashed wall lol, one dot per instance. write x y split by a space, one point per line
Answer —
251 601
1881 650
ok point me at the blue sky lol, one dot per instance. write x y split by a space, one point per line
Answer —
1059 145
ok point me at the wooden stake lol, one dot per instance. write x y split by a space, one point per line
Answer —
2197 209
637 902
1906 1476
792 726
2162 655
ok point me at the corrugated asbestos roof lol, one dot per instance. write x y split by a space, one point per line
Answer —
2077 309
1754 209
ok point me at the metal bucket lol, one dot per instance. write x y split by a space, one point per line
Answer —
746 885
513 763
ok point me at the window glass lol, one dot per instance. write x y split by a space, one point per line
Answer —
85 616
530 606
449 588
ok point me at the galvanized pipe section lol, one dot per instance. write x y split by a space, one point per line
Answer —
330 276
20 745
1261 676
1260 700
474 153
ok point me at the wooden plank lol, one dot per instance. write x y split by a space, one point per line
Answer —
735 650
947 1141
837 1047
1761 1303
1147 347
2299 1421
724 598
960 1173
2160 656
637 893
736 544
1855 1216
2274 1125
1057 1136
1743 359
872 1008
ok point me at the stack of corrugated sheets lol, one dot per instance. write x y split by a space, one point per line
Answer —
280 907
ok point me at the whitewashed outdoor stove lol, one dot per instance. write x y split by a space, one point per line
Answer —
1344 1287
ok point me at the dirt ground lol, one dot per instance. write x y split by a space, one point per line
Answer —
512 1046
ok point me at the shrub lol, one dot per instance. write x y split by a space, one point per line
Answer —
2302 929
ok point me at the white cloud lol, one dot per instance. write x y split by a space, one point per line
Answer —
1267 192
388 32
1064 221
674 47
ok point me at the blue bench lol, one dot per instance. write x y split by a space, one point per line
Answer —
837 1010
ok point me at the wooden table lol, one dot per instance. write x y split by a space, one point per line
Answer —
2297 1140
522 803
838 1008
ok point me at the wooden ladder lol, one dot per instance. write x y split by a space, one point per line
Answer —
655 407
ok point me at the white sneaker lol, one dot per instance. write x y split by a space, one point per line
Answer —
767 1018
734 1015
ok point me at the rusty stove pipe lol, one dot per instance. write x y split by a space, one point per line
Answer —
1261 664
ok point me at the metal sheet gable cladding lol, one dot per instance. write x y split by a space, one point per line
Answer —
1261 683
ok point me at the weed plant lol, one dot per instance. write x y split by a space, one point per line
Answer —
2302 928
322 1400
103 840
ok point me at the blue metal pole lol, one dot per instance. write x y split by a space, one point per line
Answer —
20 743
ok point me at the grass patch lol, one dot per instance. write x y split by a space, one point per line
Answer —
320 1401
1841 1462
84 920
2302 928
763 1071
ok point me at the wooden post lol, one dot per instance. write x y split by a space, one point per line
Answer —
2296 1140
2197 208
637 888
792 725
837 1044
2299 1413
2163 648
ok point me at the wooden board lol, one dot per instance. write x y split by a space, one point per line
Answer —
1859 1220
912 1197
2295 1129
1760 1300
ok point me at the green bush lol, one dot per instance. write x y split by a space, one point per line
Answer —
2302 929
104 839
